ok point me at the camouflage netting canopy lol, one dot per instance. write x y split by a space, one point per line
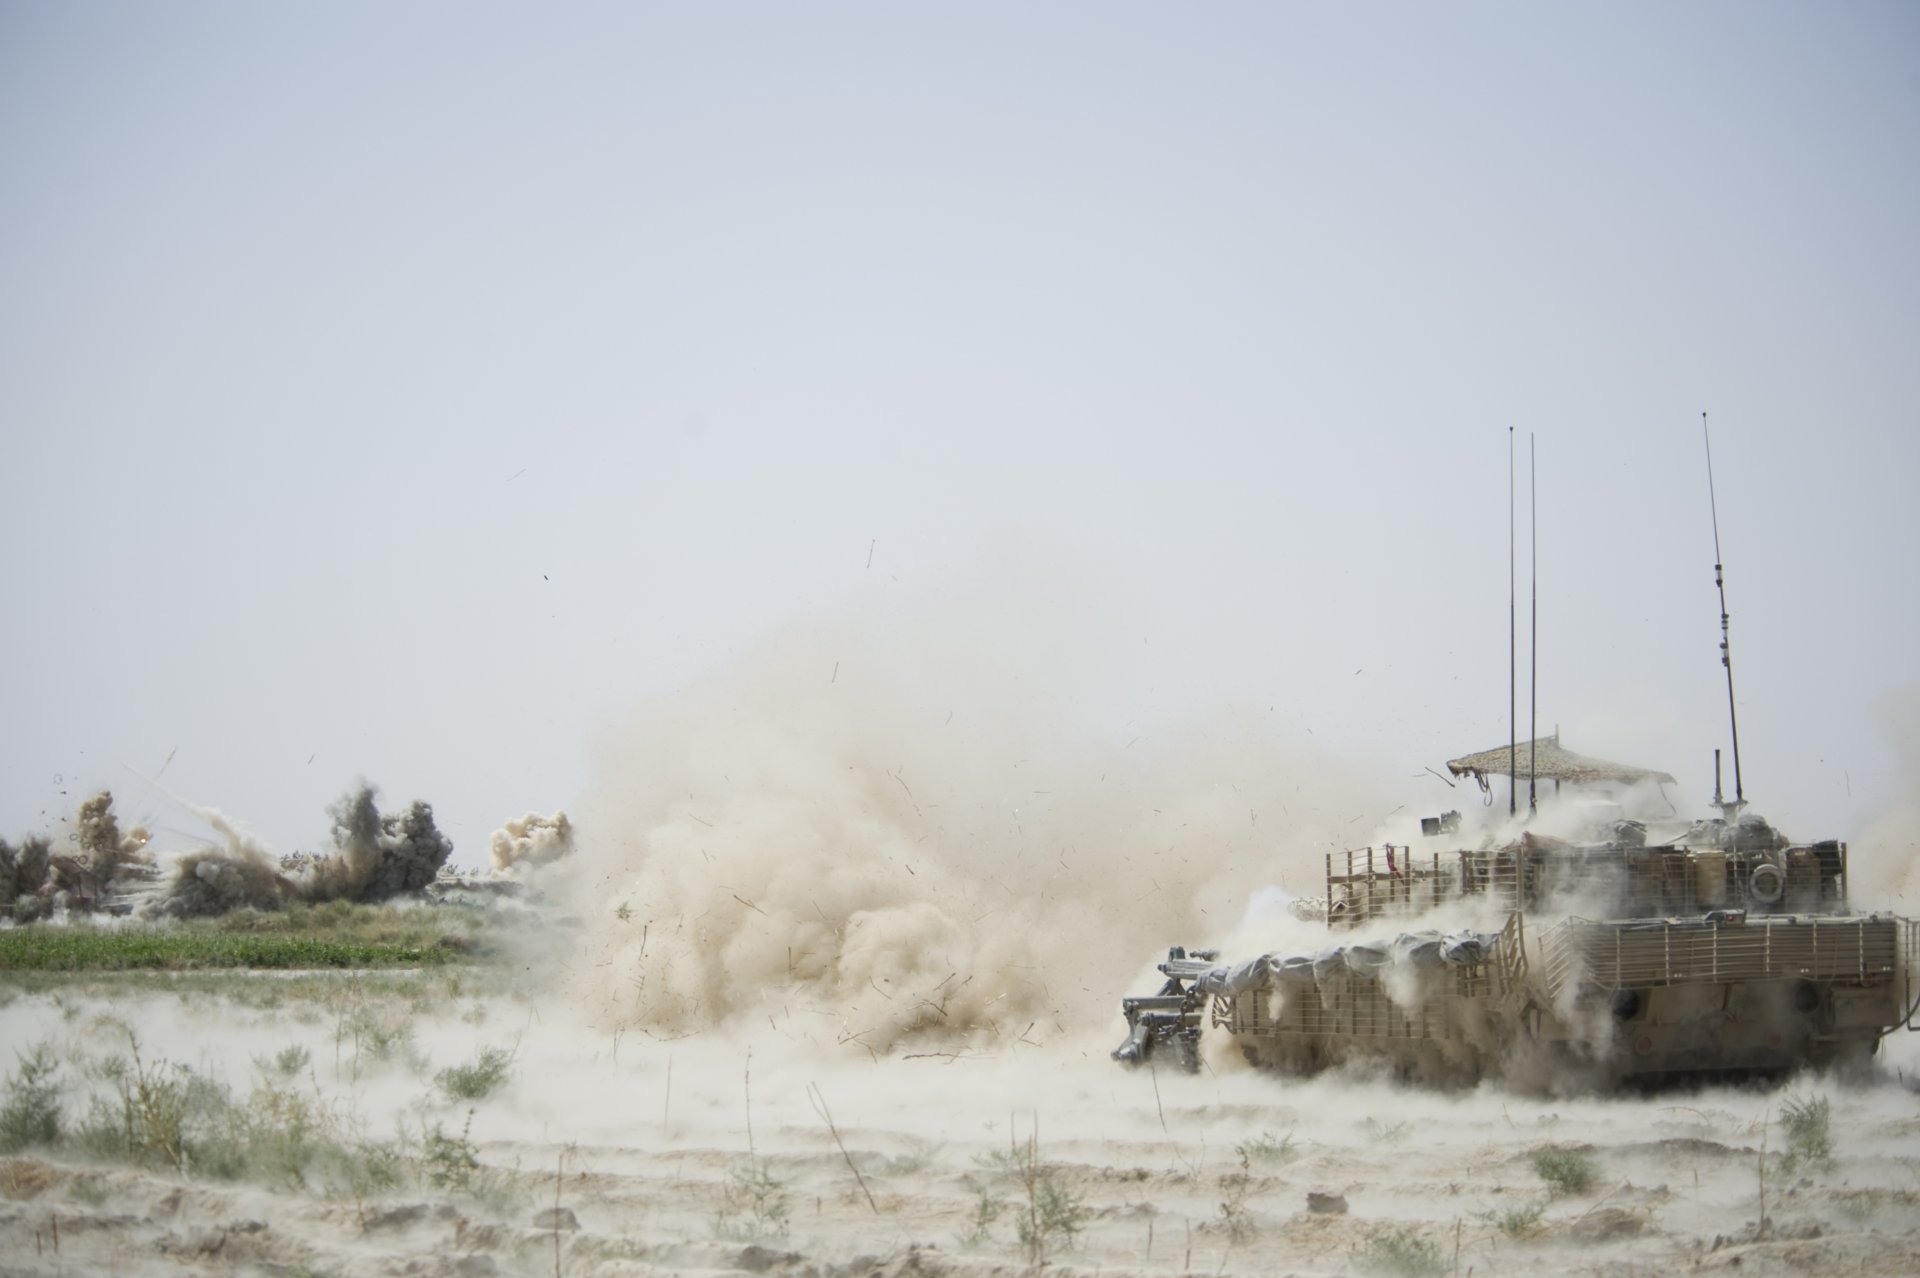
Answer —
1546 759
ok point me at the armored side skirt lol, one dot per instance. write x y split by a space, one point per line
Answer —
1621 998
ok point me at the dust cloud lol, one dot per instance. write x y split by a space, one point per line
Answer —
1884 864
881 835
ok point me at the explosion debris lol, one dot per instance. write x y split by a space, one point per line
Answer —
94 868
377 857
374 858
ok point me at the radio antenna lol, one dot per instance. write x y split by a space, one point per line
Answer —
1513 661
1533 640
1726 655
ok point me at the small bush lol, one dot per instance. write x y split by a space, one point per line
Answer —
1053 1214
1386 1133
1266 1148
164 1113
376 1030
1048 1215
450 1162
279 1134
26 1178
151 1110
986 1210
31 1113
1808 1127
921 1154
1566 1170
1520 1222
478 1080
1234 1189
290 1062
753 1204
1403 1253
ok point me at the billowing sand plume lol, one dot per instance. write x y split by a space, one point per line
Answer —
523 846
1885 862
872 835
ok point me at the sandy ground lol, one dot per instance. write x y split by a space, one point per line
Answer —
713 1154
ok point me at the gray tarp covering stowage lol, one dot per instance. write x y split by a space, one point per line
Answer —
1467 947
1367 957
1546 759
1329 968
1329 964
1295 969
1418 949
1238 978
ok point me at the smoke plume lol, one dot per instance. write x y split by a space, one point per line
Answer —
372 857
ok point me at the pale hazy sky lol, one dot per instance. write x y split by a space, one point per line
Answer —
400 390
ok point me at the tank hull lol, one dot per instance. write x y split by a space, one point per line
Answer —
1583 1004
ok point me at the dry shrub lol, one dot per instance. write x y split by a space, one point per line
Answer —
27 1178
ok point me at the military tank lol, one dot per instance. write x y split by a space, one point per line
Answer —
1637 952
1631 950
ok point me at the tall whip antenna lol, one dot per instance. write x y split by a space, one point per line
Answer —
1513 660
1726 655
1533 640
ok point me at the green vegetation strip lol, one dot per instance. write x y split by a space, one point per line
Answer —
168 949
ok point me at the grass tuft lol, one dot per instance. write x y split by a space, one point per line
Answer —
1266 1148
478 1080
1402 1252
31 1113
1518 1222
1047 1214
986 1210
1566 1170
448 1161
1235 1186
753 1204
1386 1133
1808 1127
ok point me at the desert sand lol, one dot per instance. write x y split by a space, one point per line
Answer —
736 1151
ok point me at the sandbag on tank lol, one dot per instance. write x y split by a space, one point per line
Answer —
1367 957
1465 948
1417 949
1330 974
1295 969
1238 978
1330 965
